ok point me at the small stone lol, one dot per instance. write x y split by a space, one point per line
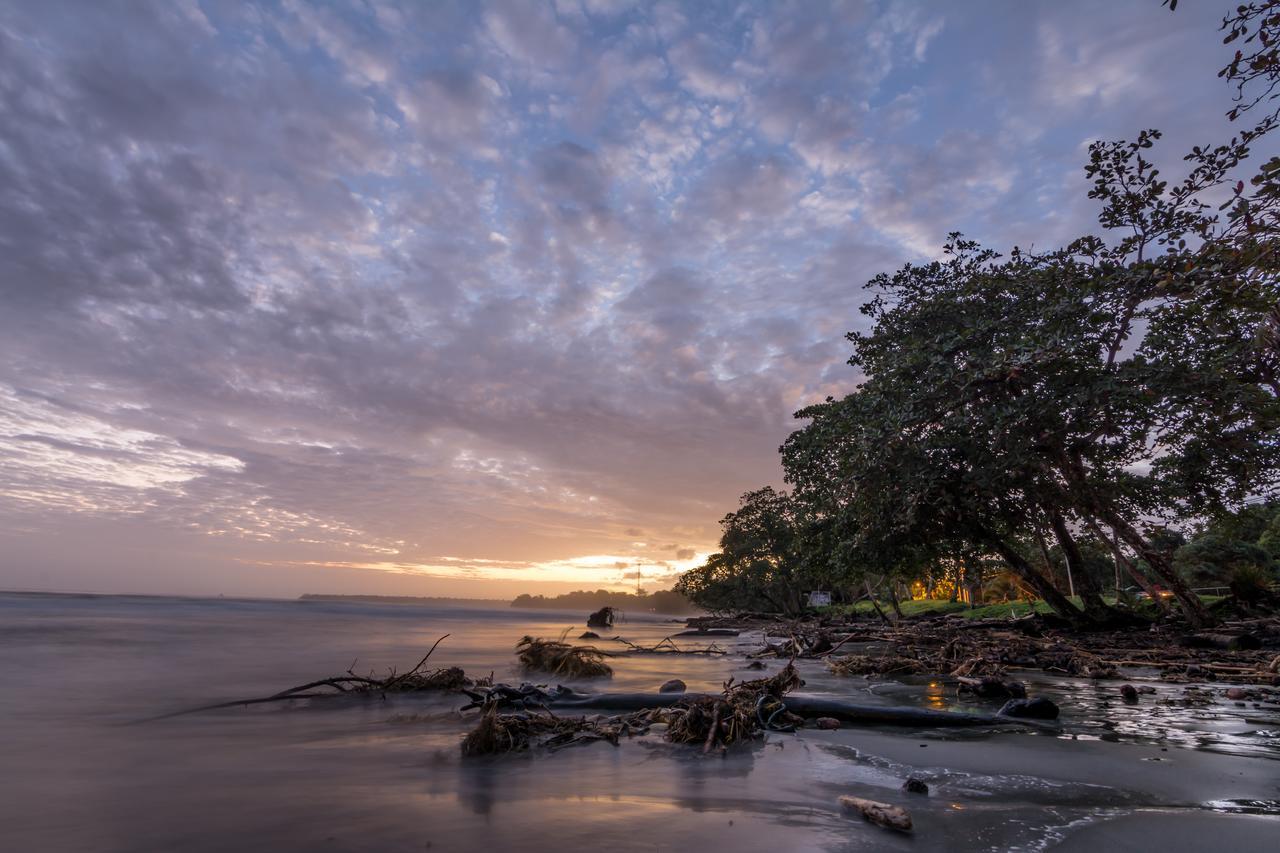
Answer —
1129 693
588 635
1146 688
1237 693
827 723
658 728
756 664
915 786
675 685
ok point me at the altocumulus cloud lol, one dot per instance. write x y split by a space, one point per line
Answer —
506 291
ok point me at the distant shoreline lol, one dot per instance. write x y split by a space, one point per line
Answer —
402 599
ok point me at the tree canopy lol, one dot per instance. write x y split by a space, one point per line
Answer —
1089 396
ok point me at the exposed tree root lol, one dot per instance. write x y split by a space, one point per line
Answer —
562 659
350 684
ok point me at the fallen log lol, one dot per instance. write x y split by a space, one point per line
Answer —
708 632
1229 642
809 707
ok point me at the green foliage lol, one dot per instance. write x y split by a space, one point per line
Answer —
760 565
1011 400
1236 550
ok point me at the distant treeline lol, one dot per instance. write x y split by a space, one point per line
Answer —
664 601
397 599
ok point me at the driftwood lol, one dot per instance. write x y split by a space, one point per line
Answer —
562 659
955 647
881 814
350 684
666 646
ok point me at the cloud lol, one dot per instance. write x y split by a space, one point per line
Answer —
441 293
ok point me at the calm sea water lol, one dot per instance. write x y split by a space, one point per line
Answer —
81 770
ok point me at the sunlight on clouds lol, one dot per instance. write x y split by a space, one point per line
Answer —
598 570
54 456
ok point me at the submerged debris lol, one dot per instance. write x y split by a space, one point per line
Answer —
562 659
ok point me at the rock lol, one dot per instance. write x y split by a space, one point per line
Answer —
827 723
1195 670
1237 693
588 635
1129 693
675 685
658 728
1146 689
756 664
993 687
881 814
1039 708
915 786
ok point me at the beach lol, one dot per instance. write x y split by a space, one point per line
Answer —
87 771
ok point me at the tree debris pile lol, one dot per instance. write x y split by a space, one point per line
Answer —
742 712
875 665
562 659
954 647
518 719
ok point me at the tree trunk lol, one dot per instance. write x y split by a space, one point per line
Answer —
1192 607
1073 469
871 596
1132 570
1086 585
893 598
1037 581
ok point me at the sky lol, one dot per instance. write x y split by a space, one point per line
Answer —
475 299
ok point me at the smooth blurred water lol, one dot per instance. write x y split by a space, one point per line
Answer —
81 772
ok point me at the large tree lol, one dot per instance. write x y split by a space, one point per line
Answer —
760 564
